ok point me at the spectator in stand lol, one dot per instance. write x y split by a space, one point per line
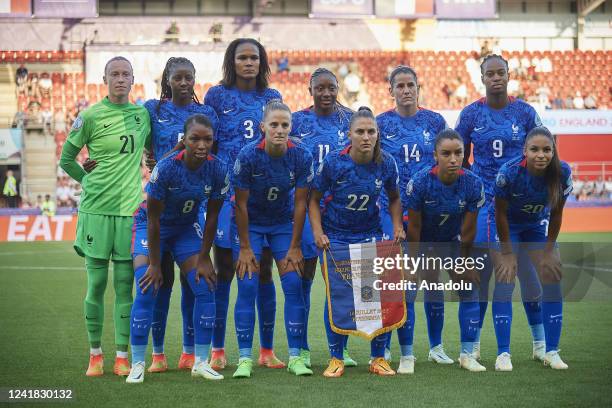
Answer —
352 84
485 49
525 65
172 33
609 187
48 206
461 93
59 121
34 115
82 103
39 202
590 102
21 79
62 193
578 101
10 189
19 119
33 91
557 102
544 96
514 87
47 117
282 64
448 91
514 64
588 189
569 102
578 185
600 188
545 65
44 85
216 32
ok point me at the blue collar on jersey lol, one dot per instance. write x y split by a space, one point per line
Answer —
483 100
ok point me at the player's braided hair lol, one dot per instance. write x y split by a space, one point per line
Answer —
447 134
342 110
489 57
229 65
166 90
553 171
366 113
402 69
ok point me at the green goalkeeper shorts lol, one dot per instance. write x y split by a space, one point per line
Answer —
104 236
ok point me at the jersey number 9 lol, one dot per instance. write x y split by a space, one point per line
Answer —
498 148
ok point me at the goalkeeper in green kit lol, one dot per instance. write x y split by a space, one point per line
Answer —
115 133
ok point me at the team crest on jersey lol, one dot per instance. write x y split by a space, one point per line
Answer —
378 184
427 137
500 180
462 204
237 167
515 132
207 190
78 123
410 187
144 243
154 175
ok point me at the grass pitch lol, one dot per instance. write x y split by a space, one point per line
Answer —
44 345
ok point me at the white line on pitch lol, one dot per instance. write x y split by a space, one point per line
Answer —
61 268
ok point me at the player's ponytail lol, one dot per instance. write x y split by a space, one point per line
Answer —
166 90
366 113
552 175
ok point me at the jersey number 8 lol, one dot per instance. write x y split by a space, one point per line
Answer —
188 206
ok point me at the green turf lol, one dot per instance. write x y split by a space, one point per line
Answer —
43 344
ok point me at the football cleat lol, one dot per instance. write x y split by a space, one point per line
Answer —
553 359
159 364
305 354
348 361
334 369
406 365
202 369
218 360
121 367
438 355
470 363
245 368
136 375
503 362
186 361
296 366
539 350
380 366
96 365
268 359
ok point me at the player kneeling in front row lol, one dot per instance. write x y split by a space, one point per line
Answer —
167 222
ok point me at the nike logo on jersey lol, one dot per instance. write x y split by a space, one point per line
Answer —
304 134
294 323
341 181
478 129
226 111
257 175
163 120
140 320
516 194
390 136
474 321
173 188
430 202
106 125
556 316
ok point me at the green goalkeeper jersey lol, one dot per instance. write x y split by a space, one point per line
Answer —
115 136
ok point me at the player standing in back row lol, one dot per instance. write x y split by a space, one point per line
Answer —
497 126
239 101
115 133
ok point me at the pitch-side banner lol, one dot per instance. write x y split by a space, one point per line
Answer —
37 228
66 8
360 301
458 9
341 8
10 145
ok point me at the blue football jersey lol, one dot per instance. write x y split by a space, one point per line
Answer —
321 134
183 190
240 113
411 142
497 135
271 181
442 206
527 195
353 190
167 125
